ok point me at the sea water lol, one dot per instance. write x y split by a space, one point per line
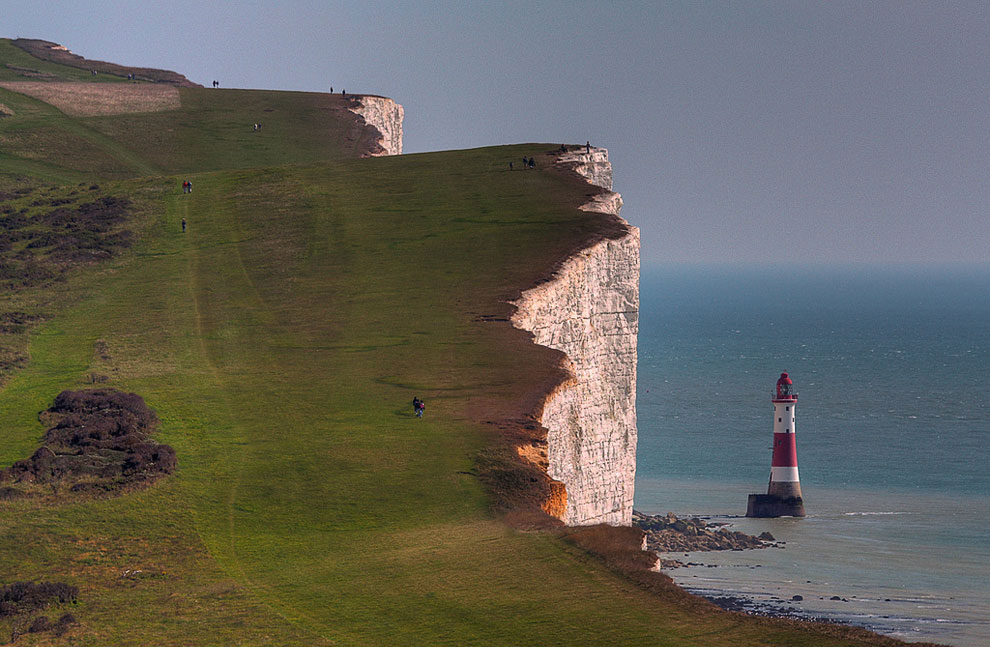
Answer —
892 367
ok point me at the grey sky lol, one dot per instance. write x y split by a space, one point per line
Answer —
744 132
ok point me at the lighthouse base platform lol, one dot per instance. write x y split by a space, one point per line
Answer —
771 505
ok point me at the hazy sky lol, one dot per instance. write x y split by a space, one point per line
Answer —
745 131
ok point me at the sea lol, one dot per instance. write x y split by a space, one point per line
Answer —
892 368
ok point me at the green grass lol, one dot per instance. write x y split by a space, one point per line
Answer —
13 57
214 130
281 340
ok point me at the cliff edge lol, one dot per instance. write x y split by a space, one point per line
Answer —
385 116
589 310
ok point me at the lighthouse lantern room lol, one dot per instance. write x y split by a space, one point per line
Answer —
783 497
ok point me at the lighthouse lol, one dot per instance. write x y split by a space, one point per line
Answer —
783 497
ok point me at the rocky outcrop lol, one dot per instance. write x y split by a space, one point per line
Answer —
668 534
591 162
385 116
589 310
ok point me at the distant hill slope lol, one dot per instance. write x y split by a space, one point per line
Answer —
67 132
53 52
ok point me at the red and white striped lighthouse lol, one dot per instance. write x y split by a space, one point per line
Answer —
783 497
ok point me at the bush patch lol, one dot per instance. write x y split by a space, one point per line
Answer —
98 442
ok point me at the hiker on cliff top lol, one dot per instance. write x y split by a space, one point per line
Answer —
532 163
588 146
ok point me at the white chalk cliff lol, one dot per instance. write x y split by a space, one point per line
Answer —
589 310
385 116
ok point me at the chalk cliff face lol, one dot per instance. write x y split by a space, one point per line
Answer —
590 311
592 163
386 116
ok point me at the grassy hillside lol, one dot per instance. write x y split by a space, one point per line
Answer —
18 65
281 340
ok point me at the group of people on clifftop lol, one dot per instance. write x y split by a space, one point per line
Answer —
529 162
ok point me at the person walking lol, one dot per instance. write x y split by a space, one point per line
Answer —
183 225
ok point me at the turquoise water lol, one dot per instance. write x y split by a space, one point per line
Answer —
893 428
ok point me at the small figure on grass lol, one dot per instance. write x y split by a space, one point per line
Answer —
183 225
419 407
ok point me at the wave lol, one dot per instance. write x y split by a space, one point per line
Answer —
872 514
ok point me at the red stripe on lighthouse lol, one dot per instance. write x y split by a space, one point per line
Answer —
784 451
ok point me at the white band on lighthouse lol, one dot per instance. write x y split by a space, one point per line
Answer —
784 474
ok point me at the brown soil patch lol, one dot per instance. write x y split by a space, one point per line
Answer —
80 99
5 111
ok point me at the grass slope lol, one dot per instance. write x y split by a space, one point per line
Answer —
17 65
281 340
212 130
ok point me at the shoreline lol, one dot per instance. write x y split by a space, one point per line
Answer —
895 626
676 540
765 584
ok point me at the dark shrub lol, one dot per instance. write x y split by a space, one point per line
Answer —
43 457
41 623
24 597
9 494
64 623
105 401
100 437
100 434
150 457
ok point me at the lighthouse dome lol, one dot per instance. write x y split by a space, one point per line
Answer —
785 388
